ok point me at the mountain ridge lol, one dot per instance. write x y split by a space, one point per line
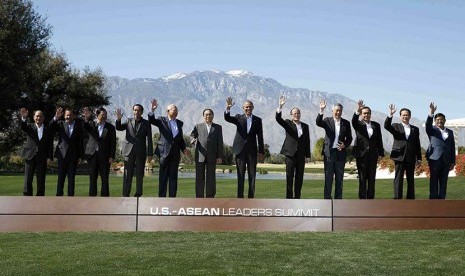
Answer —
193 92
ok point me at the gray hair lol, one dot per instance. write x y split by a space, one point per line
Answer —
337 105
170 106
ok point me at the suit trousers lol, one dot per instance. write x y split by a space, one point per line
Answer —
169 174
98 164
333 169
39 167
409 169
205 179
366 167
246 160
132 162
66 168
295 166
439 174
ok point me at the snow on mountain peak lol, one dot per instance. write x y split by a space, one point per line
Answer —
238 73
175 76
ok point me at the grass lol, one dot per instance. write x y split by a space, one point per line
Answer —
186 253
275 168
234 253
12 185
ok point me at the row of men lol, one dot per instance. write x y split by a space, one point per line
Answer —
248 148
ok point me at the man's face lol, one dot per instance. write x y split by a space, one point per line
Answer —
208 116
295 115
440 122
366 115
69 116
137 112
337 112
248 108
102 116
38 118
172 112
405 117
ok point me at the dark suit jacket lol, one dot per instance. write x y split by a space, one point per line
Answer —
106 144
403 149
68 146
43 148
292 142
242 137
345 135
209 146
438 147
167 143
363 143
138 142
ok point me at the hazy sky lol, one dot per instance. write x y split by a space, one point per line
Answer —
405 52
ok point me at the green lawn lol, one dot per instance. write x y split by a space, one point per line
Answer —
186 253
12 185
234 253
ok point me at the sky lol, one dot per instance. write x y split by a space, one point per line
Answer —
404 52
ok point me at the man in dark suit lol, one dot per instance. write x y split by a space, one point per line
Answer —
99 150
137 148
37 152
406 151
368 149
208 140
69 148
249 132
296 148
338 137
169 148
440 153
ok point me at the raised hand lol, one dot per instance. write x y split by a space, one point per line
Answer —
282 101
24 112
59 112
432 108
154 104
229 103
118 114
392 109
322 105
360 106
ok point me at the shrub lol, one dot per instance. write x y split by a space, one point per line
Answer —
386 163
423 168
460 165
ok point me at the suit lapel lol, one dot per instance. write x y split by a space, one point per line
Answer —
167 126
293 126
206 129
132 124
341 129
244 123
402 129
332 125
66 128
412 132
373 127
104 132
34 127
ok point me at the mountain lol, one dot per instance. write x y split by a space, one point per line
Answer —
195 91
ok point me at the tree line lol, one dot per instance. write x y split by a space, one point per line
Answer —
35 76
